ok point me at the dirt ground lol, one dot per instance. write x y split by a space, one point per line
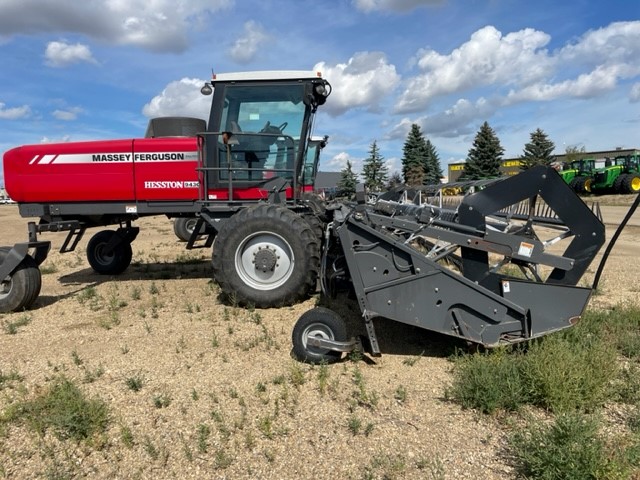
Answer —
220 396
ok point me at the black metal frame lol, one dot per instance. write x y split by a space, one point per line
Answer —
393 280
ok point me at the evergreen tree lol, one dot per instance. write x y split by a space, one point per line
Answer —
485 157
537 151
433 171
348 181
414 154
374 171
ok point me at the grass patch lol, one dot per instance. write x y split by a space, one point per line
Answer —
563 372
488 382
7 379
135 382
48 268
564 375
11 328
572 374
64 409
89 296
570 447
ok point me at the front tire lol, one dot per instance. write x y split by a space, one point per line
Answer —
580 184
20 289
108 263
319 322
266 256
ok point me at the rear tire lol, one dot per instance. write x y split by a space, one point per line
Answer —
183 227
618 184
317 205
319 322
631 183
112 263
20 289
266 256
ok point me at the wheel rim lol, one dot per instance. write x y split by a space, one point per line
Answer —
264 261
318 330
635 184
5 287
190 225
103 258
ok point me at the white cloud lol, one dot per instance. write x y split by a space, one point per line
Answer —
14 113
586 85
634 93
452 122
67 114
62 54
157 25
361 82
245 48
393 5
515 68
180 98
64 139
339 161
618 42
487 58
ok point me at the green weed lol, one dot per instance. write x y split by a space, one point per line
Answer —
48 268
135 382
11 328
571 447
488 381
354 424
126 436
161 400
64 409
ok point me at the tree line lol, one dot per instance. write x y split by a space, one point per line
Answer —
421 162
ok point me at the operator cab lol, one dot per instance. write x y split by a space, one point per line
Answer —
258 130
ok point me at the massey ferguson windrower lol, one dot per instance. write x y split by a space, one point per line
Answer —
246 175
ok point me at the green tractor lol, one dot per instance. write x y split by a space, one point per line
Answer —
620 175
578 174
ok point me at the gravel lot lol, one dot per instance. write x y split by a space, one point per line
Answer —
220 396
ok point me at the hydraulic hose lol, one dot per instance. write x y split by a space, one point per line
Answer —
613 240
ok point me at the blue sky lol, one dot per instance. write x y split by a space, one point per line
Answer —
99 69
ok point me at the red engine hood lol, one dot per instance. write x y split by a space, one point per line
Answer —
96 171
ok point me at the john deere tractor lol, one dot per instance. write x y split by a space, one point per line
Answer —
620 175
578 174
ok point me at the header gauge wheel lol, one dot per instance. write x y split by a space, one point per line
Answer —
319 322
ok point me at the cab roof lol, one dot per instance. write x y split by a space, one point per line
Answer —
266 75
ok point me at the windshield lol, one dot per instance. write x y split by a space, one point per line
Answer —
266 123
